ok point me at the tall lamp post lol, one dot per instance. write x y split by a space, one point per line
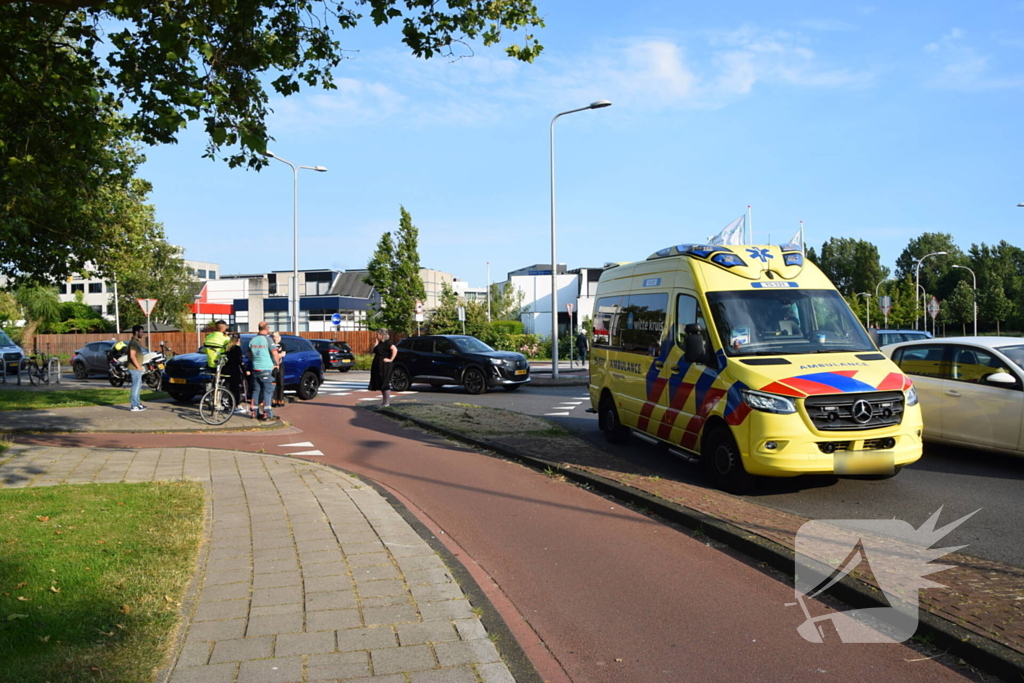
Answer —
867 307
975 288
293 291
600 104
917 281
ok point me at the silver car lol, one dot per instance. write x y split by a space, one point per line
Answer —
971 389
10 354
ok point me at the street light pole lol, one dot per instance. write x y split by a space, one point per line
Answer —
917 281
600 104
293 290
886 315
975 279
867 305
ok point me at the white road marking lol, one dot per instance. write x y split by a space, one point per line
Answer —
307 453
555 414
376 398
301 444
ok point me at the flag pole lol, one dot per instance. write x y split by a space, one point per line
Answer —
750 225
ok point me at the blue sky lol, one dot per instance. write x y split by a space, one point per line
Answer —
875 121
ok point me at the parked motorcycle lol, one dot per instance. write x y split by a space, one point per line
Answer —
152 366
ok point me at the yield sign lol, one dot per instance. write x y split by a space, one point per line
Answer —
147 305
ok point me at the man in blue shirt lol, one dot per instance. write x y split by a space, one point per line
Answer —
262 356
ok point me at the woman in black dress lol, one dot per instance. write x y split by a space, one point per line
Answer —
235 370
380 372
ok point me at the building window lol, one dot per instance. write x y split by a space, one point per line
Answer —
110 309
318 284
62 288
213 275
201 273
272 284
77 287
95 287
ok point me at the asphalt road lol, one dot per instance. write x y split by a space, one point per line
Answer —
594 592
958 480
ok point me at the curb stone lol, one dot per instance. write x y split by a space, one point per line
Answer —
976 650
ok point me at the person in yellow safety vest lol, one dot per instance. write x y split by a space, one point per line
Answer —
216 344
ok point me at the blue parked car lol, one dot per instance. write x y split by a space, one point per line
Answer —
186 375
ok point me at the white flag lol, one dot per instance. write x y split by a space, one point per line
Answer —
796 240
731 234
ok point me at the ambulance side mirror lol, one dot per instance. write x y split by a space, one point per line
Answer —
694 350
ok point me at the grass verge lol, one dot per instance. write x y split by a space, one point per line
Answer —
17 399
91 578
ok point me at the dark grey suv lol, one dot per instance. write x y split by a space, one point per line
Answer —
91 359
457 359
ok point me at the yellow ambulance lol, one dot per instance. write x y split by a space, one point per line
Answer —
748 359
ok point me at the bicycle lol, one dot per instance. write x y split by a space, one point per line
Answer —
40 369
218 403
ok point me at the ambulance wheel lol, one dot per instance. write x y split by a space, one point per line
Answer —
613 430
722 462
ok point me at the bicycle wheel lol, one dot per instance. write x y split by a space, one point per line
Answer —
53 371
36 376
217 406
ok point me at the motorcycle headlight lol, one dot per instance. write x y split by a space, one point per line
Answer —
911 396
768 403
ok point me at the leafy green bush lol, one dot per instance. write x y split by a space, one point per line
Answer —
507 327
565 343
364 361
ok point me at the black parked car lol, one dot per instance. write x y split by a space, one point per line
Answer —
337 355
457 359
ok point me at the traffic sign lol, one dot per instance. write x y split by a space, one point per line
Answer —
933 308
885 303
336 319
147 305
462 314
569 307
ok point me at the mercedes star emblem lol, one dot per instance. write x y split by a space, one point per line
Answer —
861 411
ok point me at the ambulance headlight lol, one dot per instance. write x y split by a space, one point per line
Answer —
768 403
911 396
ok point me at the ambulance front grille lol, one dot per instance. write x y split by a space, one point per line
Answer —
855 412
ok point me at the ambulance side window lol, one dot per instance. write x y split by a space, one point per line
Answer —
606 319
642 323
687 312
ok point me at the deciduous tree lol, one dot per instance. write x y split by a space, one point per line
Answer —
394 271
852 265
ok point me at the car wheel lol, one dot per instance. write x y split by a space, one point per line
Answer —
511 387
614 431
400 379
80 370
474 381
309 386
179 397
723 463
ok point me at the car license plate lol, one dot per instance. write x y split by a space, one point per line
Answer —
160 366
346 360
521 372
177 380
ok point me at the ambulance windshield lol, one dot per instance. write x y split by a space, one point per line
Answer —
785 321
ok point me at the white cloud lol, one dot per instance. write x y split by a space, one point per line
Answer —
641 74
964 68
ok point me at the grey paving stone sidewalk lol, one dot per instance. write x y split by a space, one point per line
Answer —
309 575
160 416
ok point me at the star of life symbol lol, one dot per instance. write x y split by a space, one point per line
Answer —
899 558
759 254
